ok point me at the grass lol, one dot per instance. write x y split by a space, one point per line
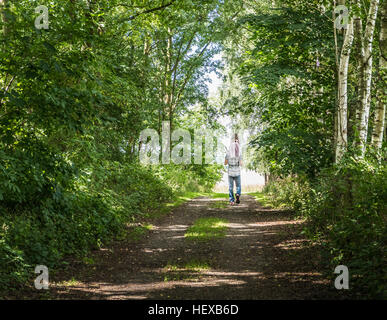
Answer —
216 195
177 272
137 232
205 229
263 199
88 260
69 283
192 266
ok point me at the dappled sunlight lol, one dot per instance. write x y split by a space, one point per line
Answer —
233 274
242 235
172 228
134 289
293 244
199 201
247 256
205 229
137 136
216 199
278 223
180 279
178 237
147 250
308 277
251 229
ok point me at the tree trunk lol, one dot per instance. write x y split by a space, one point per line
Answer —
380 112
367 76
168 80
355 120
342 121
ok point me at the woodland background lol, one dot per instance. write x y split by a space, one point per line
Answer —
75 97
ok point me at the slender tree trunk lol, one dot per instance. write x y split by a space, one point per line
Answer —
367 76
266 178
342 112
358 29
168 75
380 112
336 106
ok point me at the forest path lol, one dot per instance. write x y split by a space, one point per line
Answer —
262 256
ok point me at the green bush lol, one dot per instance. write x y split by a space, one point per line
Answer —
77 212
190 178
93 211
13 269
346 211
288 192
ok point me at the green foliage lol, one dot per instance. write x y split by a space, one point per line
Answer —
218 195
137 232
95 214
267 199
349 210
73 100
284 97
288 192
191 178
13 268
346 210
286 70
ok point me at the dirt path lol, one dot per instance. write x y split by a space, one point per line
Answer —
262 256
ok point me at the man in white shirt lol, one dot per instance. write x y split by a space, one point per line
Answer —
234 161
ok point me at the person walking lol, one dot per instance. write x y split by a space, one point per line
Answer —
234 161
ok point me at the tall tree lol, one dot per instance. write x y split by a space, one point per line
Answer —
380 112
366 77
342 112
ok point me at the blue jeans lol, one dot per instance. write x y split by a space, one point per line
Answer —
231 180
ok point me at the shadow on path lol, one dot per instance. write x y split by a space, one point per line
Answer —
262 256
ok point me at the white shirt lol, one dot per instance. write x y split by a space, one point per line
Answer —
234 168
